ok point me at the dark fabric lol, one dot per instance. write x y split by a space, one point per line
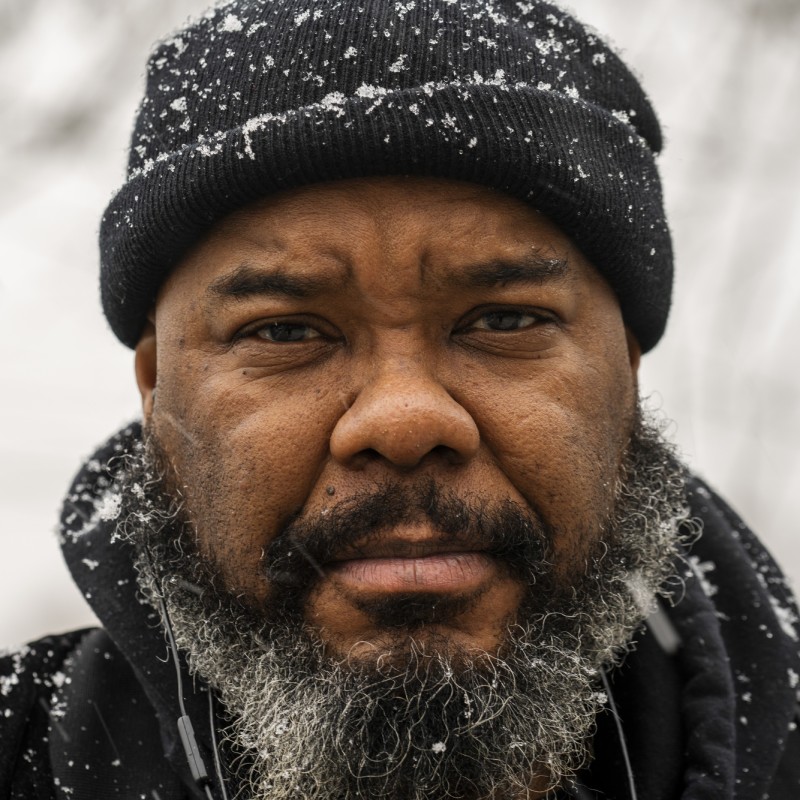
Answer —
647 691
261 96
95 711
108 742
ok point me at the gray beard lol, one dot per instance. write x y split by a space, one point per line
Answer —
422 721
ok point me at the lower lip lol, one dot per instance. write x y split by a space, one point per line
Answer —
443 572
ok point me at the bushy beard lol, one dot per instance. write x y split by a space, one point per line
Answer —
421 719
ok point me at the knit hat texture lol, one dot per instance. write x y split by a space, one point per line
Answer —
259 96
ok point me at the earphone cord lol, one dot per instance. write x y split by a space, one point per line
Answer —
212 726
195 760
622 742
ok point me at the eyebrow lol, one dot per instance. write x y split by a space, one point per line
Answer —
247 281
532 269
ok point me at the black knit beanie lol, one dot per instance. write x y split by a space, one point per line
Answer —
263 95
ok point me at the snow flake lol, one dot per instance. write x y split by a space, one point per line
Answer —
438 747
399 65
333 102
622 116
256 26
178 43
794 678
786 617
701 569
371 92
546 46
231 24
109 506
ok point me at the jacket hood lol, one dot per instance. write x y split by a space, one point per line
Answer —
710 721
102 564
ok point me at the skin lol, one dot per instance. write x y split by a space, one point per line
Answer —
453 333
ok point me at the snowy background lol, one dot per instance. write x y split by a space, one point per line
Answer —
725 78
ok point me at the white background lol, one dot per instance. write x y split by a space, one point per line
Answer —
725 78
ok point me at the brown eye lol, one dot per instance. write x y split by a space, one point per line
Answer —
283 332
506 320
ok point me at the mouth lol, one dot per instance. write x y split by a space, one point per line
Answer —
399 564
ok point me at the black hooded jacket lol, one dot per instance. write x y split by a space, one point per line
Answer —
92 713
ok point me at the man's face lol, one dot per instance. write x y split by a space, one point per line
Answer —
329 342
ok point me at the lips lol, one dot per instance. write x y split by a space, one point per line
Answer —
399 564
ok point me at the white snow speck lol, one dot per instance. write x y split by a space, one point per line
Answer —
351 52
302 17
58 679
599 58
438 747
91 563
178 43
371 92
701 569
399 65
231 24
109 506
787 619
179 104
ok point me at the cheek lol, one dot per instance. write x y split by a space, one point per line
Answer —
246 458
560 439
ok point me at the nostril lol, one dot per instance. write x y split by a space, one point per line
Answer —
446 453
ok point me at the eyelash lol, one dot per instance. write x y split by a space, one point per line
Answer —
537 316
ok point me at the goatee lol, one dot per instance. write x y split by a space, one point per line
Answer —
422 719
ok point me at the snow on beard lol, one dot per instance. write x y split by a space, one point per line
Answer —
421 720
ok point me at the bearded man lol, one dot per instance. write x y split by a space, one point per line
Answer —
395 524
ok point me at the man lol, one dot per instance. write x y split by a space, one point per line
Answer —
395 524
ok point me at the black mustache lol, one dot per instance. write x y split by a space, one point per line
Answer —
512 533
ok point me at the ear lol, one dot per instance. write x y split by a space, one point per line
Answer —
146 365
634 352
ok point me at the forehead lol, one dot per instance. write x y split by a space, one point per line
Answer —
400 230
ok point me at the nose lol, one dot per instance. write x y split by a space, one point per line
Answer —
404 416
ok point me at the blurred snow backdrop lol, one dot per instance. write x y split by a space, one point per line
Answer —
725 78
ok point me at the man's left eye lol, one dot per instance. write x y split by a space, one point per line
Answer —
287 332
506 320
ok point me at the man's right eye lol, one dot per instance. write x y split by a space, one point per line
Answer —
286 332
